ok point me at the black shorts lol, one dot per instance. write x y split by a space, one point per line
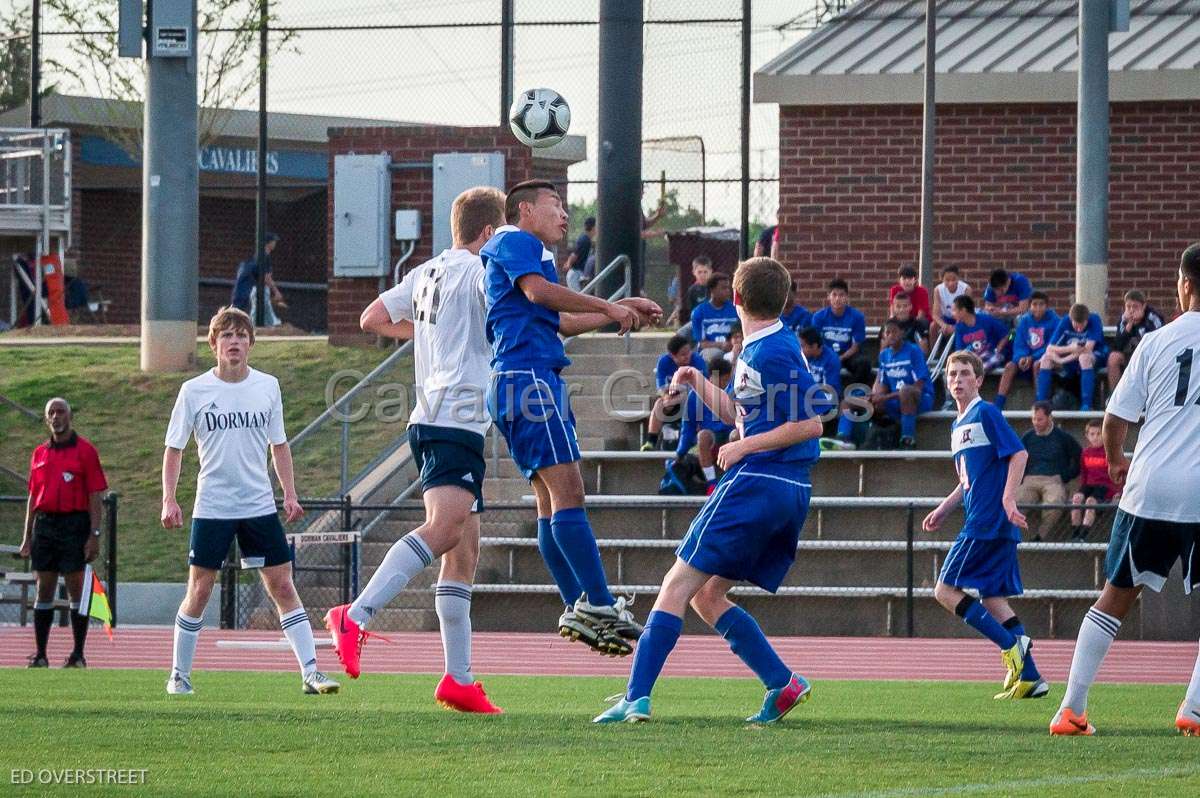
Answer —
261 541
1142 551
448 456
58 541
1097 492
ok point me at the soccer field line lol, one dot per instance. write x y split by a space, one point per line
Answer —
1135 774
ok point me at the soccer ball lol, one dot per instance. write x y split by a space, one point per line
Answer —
539 117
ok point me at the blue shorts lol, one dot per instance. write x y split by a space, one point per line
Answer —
261 541
748 528
988 566
1073 368
892 406
532 410
449 456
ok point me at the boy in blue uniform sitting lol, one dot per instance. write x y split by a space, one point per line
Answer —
1034 329
748 528
679 353
990 462
704 429
902 388
712 320
1075 347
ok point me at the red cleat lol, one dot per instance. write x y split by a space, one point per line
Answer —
347 638
708 491
464 697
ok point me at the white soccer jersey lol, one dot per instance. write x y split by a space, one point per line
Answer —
444 299
1162 387
233 422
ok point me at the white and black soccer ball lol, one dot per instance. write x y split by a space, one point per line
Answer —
539 117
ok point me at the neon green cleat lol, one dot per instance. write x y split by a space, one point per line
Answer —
1024 689
1014 661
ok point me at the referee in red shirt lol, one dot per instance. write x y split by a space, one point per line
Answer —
62 524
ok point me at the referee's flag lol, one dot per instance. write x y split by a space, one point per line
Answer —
94 601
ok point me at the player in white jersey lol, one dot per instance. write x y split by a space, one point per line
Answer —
440 305
1158 520
235 412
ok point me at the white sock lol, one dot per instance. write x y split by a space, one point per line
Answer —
1193 691
710 472
1096 634
187 631
453 603
407 557
296 626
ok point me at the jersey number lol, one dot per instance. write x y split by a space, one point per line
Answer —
1184 359
428 298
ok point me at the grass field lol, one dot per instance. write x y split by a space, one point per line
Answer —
255 734
125 413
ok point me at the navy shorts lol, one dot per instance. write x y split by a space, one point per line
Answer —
448 456
1142 551
988 566
261 541
58 541
748 528
532 410
892 406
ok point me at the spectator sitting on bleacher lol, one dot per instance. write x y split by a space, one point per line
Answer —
711 320
907 284
1034 328
844 329
980 333
1137 320
795 316
1007 295
1075 347
702 428
823 363
912 330
1095 486
902 388
736 339
944 294
679 353
1053 462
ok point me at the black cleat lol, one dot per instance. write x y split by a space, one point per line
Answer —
75 661
37 661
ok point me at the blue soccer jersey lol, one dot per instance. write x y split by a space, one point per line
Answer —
523 334
666 368
1033 335
796 319
771 383
1019 289
841 332
712 323
1065 333
696 417
827 370
983 337
982 441
904 367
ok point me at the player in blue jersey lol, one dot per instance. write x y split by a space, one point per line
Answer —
1075 347
748 529
679 353
984 336
1034 329
902 388
990 462
823 363
703 428
527 310
795 316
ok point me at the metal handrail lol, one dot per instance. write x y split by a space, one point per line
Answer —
621 261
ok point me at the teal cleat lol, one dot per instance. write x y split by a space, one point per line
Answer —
624 711
780 701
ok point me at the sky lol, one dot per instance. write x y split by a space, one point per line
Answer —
451 75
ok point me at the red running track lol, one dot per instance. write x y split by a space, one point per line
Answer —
546 654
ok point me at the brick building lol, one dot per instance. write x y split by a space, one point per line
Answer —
850 124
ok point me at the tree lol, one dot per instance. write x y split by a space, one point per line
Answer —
14 57
227 62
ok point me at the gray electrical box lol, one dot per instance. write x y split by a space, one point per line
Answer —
454 173
361 215
173 29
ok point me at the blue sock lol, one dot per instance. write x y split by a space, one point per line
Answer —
1044 383
845 427
1087 388
574 537
1000 401
1029 673
747 640
655 644
908 425
560 569
976 615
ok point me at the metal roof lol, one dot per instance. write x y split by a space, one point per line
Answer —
987 50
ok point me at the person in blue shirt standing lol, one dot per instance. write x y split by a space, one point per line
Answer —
1034 329
844 329
527 310
749 527
679 353
1075 347
704 429
902 388
990 462
713 318
1007 295
980 334
795 316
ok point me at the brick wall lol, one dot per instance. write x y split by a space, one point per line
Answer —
413 188
850 196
